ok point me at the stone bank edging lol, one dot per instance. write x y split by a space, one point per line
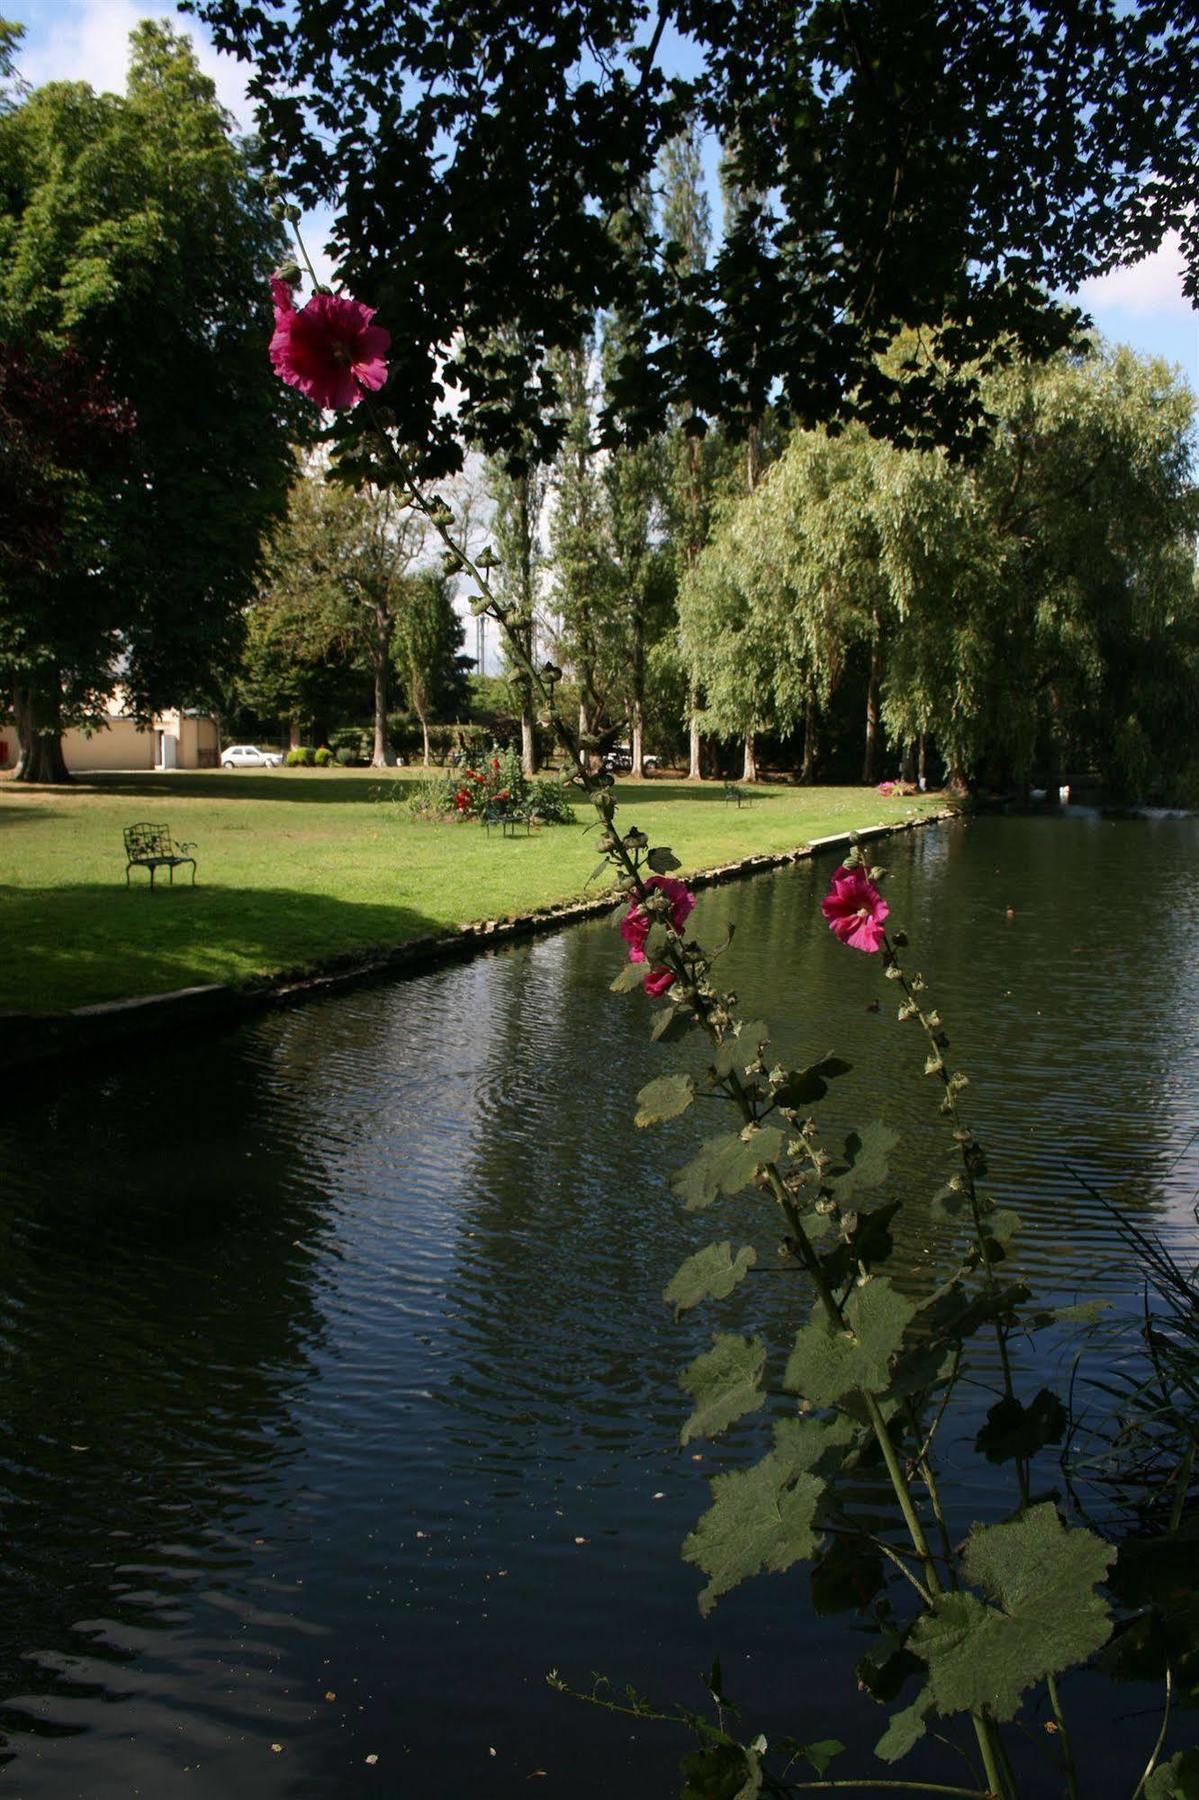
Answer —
31 1038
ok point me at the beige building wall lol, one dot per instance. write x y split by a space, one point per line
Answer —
122 745
172 741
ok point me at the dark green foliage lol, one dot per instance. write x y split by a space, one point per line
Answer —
134 234
944 167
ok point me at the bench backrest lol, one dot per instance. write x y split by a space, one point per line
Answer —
142 842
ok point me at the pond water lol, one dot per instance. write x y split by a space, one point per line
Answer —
338 1401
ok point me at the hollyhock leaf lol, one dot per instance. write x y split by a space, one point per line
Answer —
631 976
1002 1225
671 1022
656 940
848 1576
1013 1429
1045 1617
826 1363
725 1385
743 1050
721 1772
866 1153
762 1517
725 1165
662 860
1177 1779
905 1730
711 1274
664 1098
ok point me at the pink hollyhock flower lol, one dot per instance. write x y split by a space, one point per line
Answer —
855 910
634 927
328 349
885 787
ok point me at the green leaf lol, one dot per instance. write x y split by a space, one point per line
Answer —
865 1163
671 1022
662 860
761 1518
656 940
664 1098
1002 1225
725 1384
1083 1312
821 1756
721 1772
803 1087
1046 1617
741 1051
1015 1430
848 1576
725 1165
1177 1779
868 1244
631 976
826 1364
905 1730
711 1274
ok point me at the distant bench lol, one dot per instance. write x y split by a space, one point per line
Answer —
152 847
733 792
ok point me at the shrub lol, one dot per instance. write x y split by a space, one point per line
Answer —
550 802
302 758
323 757
357 742
344 758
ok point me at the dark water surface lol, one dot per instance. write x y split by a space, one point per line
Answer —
338 1402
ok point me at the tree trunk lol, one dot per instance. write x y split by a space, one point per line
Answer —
424 731
528 737
749 768
869 771
921 761
637 698
956 781
38 709
383 756
295 733
695 771
907 768
807 773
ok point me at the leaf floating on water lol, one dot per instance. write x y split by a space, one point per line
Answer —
372 1759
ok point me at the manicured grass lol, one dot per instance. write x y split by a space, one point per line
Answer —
296 865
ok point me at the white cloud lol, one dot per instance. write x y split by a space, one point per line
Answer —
88 40
1145 290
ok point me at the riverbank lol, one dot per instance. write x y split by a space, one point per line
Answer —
301 869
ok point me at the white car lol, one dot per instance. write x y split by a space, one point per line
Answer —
249 756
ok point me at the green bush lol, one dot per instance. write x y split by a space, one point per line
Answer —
344 758
356 741
303 758
323 757
549 801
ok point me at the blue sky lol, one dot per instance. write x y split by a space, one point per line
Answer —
85 40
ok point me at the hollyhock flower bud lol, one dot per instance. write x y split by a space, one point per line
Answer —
328 349
855 910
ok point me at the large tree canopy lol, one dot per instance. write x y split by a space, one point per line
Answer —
939 166
1034 610
134 246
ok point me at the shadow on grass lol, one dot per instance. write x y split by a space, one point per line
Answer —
78 945
331 787
629 793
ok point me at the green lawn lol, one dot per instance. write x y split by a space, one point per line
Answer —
296 865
